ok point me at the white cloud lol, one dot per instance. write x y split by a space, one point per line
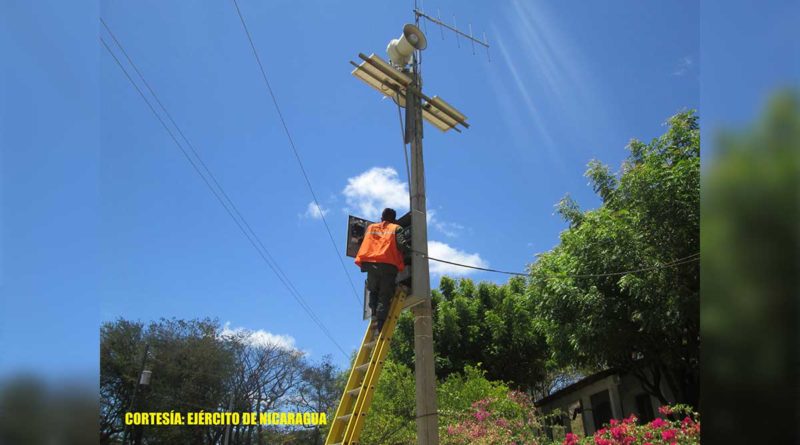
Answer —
437 249
259 338
684 66
448 229
375 189
379 187
314 211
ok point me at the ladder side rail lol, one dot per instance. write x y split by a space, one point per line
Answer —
364 399
345 403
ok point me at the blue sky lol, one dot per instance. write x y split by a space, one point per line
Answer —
107 219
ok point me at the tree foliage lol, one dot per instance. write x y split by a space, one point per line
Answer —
190 370
486 325
392 416
195 367
645 322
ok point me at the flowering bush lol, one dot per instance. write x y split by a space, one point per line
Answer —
678 426
512 420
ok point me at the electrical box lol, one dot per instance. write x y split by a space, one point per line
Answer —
356 228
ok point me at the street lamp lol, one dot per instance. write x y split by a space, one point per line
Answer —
144 379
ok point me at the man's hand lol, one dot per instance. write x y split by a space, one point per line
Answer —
403 239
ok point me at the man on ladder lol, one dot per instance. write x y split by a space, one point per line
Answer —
381 257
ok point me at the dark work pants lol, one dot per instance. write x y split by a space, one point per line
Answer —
381 284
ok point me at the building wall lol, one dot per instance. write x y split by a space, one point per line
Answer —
622 394
584 396
630 387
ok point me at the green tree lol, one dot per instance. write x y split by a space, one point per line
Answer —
486 325
392 414
190 370
644 322
196 366
121 347
320 391
460 391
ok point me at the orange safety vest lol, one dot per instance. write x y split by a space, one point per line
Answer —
380 246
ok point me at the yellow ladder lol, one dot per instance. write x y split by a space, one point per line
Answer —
352 411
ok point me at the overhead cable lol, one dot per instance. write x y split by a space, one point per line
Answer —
678 262
251 236
294 150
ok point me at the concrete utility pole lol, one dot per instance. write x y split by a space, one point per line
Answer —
424 370
401 80
424 364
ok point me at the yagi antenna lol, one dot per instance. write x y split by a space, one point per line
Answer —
422 8
442 25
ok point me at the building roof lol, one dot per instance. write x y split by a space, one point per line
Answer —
586 381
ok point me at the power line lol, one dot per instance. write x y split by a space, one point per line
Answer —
294 150
227 200
678 262
189 144
485 269
252 238
275 268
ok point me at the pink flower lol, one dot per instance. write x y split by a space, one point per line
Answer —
617 433
658 423
600 441
570 439
481 415
631 419
477 431
668 434
614 422
665 410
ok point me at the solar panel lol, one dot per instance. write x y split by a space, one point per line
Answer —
393 83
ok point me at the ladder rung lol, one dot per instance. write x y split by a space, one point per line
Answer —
362 368
363 375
